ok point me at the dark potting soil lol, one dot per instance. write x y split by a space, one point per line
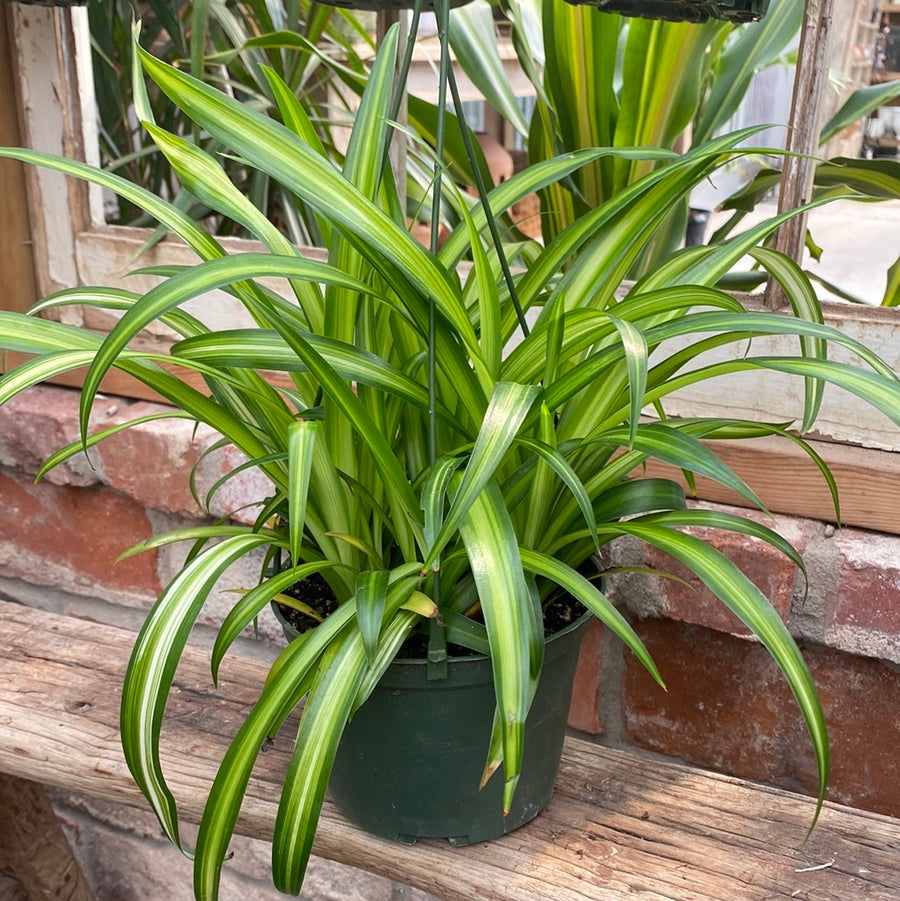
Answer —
561 612
315 592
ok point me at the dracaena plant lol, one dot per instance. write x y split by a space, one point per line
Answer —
617 81
455 435
626 81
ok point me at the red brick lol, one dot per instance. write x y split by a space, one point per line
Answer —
687 599
724 707
861 698
38 422
152 462
240 497
584 711
862 613
728 708
72 537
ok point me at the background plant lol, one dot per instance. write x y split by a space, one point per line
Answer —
877 179
621 82
228 44
617 81
318 52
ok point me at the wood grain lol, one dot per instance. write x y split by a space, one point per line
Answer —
18 287
619 825
798 169
788 481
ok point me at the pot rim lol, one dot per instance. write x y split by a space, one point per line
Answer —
455 658
472 658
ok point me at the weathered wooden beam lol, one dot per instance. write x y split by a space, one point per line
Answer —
788 481
620 825
18 286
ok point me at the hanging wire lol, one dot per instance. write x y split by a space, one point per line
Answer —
437 634
486 204
442 13
400 82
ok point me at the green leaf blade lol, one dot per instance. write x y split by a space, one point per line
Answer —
301 439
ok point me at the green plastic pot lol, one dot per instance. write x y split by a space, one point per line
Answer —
411 759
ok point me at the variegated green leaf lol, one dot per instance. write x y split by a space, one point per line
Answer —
558 464
754 47
77 447
472 37
671 445
279 153
223 803
513 624
892 291
746 601
595 601
152 667
301 437
191 283
371 600
876 390
508 407
252 604
635 352
327 709
166 213
802 298
434 497
858 105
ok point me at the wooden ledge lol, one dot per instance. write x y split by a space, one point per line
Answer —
619 826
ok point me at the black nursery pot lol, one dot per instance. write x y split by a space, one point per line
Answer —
379 5
736 11
411 759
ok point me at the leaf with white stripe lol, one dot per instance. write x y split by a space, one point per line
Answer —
151 669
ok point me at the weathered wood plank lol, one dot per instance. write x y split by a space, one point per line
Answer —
788 481
18 288
798 169
619 825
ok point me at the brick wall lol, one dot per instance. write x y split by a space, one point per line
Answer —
125 857
60 541
66 533
726 707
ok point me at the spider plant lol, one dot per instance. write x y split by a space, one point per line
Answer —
448 441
